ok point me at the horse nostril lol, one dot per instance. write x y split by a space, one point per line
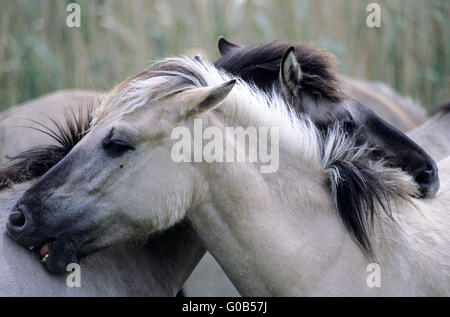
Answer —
19 225
426 176
17 219
428 180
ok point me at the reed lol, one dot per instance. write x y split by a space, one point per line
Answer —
40 54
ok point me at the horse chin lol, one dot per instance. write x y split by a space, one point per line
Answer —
60 255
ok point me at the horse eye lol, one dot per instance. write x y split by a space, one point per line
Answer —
116 148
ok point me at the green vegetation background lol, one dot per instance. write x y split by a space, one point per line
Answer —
40 54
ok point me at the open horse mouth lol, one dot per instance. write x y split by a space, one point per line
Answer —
44 251
55 253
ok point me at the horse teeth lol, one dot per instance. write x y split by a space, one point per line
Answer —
44 259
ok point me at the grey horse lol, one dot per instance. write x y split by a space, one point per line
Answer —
433 134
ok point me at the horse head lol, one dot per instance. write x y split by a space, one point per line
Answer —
95 195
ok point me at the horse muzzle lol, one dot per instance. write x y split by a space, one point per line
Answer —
55 253
428 181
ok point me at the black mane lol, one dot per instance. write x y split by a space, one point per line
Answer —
260 64
360 195
363 190
37 161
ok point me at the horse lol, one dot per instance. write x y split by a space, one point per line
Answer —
432 134
207 278
310 84
47 102
158 269
271 236
400 112
53 111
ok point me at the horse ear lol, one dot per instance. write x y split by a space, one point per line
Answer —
290 73
225 46
202 99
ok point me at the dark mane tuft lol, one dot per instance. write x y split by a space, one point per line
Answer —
363 190
261 64
37 161
357 195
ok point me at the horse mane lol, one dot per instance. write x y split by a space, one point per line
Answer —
36 161
260 64
363 190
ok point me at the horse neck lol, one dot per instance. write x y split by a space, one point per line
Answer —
259 226
175 252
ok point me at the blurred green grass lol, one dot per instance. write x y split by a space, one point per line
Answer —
40 54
